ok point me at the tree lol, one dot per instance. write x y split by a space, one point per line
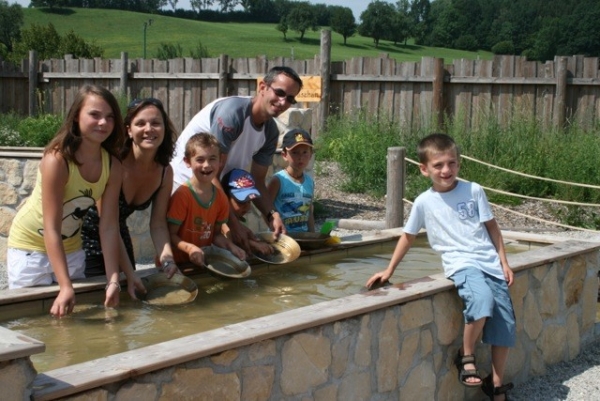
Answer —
377 20
173 4
343 22
227 5
283 27
45 40
11 21
48 3
246 5
301 18
74 44
403 20
198 5
419 13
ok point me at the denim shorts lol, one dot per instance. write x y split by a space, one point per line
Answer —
31 268
485 296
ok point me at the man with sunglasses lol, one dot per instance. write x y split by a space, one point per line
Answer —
248 138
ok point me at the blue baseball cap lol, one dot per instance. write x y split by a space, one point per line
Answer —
240 184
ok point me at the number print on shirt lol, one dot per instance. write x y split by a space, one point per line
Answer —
466 210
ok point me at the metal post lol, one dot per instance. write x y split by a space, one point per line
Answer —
146 25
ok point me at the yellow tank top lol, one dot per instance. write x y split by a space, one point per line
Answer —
27 229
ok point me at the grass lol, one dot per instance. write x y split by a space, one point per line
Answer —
123 31
359 144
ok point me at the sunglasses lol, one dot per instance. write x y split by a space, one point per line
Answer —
148 100
280 93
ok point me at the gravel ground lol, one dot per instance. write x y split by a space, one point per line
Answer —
576 380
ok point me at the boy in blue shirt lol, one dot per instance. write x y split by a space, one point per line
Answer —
291 189
460 225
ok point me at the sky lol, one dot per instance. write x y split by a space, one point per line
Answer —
357 6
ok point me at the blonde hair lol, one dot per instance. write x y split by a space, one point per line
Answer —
201 140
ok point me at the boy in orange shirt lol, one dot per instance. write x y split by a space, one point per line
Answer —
198 208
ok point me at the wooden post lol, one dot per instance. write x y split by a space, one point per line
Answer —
561 93
396 174
33 82
437 106
325 79
223 73
123 81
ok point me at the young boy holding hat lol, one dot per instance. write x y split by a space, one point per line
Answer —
240 188
291 189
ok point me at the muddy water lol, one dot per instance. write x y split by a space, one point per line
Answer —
92 331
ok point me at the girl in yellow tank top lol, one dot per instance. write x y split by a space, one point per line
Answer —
79 169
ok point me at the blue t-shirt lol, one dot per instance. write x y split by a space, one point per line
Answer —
294 200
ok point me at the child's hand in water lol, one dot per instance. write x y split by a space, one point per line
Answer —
196 255
261 247
378 279
237 252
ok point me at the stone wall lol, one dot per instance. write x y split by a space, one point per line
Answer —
392 343
18 174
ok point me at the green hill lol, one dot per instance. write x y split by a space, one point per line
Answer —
118 31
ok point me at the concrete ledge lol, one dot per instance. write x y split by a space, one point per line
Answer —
14 345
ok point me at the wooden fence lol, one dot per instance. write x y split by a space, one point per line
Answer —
413 93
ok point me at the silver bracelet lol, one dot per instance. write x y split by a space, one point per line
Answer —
115 283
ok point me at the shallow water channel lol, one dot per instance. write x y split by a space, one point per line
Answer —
92 332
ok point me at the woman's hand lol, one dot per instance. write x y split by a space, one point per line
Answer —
113 288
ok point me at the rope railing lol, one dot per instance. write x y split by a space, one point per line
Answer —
575 184
529 197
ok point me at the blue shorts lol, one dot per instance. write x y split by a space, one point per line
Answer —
485 296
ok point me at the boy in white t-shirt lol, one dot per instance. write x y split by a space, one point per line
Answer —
460 225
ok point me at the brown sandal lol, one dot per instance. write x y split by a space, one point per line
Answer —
463 374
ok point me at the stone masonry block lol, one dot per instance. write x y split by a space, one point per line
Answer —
306 363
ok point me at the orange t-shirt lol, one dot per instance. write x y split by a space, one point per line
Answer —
196 220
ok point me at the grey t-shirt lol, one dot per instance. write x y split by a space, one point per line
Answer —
229 120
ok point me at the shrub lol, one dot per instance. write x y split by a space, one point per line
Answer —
167 51
30 131
200 51
504 47
38 131
466 42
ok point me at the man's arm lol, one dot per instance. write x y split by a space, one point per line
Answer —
264 203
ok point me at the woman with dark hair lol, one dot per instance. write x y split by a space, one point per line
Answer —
147 180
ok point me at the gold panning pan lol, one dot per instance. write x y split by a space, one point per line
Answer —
160 290
286 248
310 241
224 263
